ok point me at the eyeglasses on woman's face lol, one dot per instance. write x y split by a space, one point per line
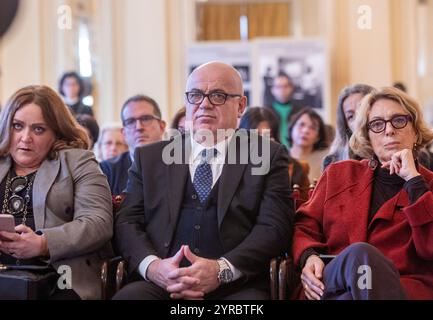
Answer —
398 121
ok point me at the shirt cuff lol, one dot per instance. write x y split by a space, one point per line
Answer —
305 255
236 273
142 267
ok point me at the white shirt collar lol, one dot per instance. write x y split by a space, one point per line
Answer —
221 147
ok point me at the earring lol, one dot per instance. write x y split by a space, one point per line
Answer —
373 163
415 151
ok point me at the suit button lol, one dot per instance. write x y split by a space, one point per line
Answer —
194 197
166 244
197 227
196 250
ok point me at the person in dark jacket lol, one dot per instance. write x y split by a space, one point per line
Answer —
71 87
142 124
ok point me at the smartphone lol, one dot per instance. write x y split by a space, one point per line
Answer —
7 223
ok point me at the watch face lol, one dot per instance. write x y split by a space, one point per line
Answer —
226 275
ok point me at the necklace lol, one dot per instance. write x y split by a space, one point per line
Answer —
15 203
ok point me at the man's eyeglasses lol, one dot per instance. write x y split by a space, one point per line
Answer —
144 121
398 122
215 98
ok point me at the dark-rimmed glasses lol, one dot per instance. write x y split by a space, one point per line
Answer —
144 121
398 122
215 98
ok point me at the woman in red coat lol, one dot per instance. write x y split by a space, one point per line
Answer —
375 216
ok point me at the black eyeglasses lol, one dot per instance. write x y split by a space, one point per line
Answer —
144 121
398 122
215 98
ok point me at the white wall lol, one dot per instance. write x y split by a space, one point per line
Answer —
139 46
130 51
21 60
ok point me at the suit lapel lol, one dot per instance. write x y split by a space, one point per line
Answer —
5 167
176 177
231 176
44 179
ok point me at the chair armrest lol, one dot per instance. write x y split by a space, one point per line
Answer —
288 278
121 275
108 277
273 270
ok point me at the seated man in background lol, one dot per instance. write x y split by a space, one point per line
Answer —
206 226
142 124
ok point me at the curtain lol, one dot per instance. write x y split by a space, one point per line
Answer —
218 22
222 21
268 20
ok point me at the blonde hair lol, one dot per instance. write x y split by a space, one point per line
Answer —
68 132
109 127
360 141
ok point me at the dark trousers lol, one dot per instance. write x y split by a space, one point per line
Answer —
143 290
361 272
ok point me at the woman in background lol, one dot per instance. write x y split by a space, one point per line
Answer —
178 122
348 102
267 124
307 136
111 142
71 87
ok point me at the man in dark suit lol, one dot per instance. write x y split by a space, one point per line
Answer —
206 221
142 124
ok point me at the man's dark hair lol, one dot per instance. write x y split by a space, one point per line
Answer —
139 98
89 122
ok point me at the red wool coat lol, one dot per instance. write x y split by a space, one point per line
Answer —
337 216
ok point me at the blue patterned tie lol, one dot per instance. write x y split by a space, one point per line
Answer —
203 175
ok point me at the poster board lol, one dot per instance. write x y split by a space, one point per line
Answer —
304 61
238 54
259 61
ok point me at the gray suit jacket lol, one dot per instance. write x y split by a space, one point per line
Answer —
72 207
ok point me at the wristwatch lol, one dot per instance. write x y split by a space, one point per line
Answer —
225 274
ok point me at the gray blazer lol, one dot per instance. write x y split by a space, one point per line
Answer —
72 207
